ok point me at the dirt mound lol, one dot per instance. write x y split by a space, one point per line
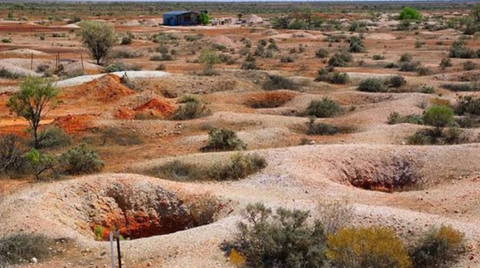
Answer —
224 41
253 19
155 108
23 52
107 88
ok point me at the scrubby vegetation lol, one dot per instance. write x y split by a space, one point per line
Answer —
325 107
283 238
367 247
331 77
396 118
20 248
81 160
192 109
276 82
439 247
238 166
287 238
223 140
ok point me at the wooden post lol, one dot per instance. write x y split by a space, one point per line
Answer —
118 250
112 252
31 62
83 66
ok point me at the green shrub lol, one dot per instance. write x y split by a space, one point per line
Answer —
391 65
323 108
249 65
405 58
81 160
190 110
421 138
127 40
469 65
275 82
21 247
340 59
367 247
439 116
4 73
396 118
286 59
409 66
356 45
378 57
473 86
320 128
446 62
12 160
281 239
223 140
321 53
395 81
439 247
372 85
333 78
468 105
237 167
422 70
459 50
53 137
409 13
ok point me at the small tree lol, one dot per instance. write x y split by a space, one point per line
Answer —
439 117
409 13
203 18
98 37
36 98
475 13
209 58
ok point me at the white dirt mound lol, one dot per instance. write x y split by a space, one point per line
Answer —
131 74
23 52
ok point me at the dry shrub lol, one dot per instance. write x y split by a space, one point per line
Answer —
238 166
223 140
335 215
269 99
440 247
283 238
21 247
367 247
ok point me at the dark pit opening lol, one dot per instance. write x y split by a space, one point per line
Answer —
389 175
137 214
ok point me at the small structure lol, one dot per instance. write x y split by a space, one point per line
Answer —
180 18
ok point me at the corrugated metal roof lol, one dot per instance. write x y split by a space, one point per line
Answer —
177 12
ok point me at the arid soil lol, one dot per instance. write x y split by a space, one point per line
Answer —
182 224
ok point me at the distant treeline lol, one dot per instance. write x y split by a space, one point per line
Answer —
98 9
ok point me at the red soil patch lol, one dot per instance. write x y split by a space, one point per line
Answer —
74 123
107 88
152 108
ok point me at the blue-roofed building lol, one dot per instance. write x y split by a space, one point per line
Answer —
180 18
